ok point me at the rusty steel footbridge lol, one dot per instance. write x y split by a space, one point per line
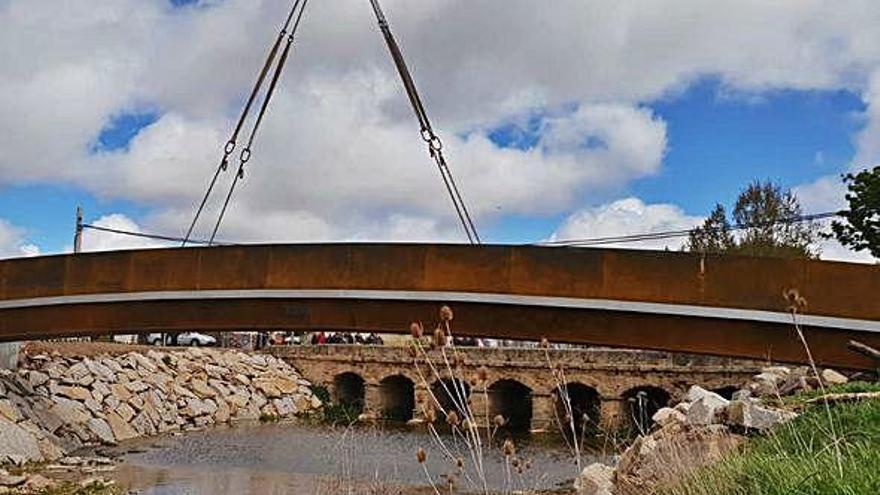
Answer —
670 301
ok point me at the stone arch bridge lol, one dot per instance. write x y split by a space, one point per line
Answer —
613 387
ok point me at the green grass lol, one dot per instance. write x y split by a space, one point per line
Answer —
800 457
96 488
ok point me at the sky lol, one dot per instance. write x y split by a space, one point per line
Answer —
564 120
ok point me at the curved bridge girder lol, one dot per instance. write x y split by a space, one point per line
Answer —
731 306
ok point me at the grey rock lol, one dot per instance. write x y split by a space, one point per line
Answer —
831 377
595 479
16 443
706 409
121 429
101 430
37 378
753 416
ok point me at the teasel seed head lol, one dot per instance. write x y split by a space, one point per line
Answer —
499 420
421 455
452 418
508 448
482 374
446 313
439 337
416 330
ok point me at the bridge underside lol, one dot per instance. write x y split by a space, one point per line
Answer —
723 337
651 300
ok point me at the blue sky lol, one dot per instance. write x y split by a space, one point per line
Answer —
642 118
717 143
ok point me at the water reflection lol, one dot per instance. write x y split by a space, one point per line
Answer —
288 458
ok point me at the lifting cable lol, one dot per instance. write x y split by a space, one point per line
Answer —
246 152
435 146
231 143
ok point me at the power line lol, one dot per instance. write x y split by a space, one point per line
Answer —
594 241
670 234
146 235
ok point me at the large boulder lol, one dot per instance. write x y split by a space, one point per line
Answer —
705 407
595 479
831 377
17 445
667 415
670 453
753 416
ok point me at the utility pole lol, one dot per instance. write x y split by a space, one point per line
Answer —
78 236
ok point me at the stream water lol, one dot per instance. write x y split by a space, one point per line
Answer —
288 458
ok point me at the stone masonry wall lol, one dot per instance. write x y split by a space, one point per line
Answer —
56 404
612 373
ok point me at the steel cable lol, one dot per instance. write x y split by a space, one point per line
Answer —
245 155
427 132
231 143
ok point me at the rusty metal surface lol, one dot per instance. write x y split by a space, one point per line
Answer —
831 289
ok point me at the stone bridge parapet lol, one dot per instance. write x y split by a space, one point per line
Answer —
613 387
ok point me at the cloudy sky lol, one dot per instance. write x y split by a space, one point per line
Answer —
563 119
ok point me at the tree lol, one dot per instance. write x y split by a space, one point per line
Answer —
770 222
769 219
861 229
713 236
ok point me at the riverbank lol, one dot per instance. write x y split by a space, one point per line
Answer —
65 398
782 434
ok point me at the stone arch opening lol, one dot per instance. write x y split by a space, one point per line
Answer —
513 401
397 396
726 392
585 406
348 391
447 391
640 403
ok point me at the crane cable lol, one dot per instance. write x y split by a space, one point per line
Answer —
435 146
246 152
229 148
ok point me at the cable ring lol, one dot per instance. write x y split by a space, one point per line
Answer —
230 147
435 143
245 155
427 135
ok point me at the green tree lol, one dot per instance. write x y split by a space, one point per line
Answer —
861 229
768 217
714 236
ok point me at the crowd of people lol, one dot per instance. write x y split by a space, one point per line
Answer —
321 338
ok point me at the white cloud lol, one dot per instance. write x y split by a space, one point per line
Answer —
13 243
340 155
625 217
97 240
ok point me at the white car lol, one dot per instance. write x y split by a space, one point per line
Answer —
194 339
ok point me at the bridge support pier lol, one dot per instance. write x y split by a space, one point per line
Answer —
611 413
372 400
543 411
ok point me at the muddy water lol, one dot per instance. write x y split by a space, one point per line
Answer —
288 458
